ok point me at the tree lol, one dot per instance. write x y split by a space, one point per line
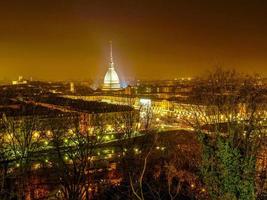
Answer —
21 141
147 116
137 176
3 169
227 116
74 153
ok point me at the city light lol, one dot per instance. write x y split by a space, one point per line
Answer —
145 102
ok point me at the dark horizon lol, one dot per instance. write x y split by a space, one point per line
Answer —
62 40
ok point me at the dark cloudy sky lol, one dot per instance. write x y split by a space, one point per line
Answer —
68 39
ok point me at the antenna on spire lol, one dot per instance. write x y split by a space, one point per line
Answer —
111 57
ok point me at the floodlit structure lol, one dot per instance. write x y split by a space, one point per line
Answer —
72 89
111 80
21 80
145 102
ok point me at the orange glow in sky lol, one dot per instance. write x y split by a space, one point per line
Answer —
61 39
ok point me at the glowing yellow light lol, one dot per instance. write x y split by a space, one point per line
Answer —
36 166
106 151
70 131
36 134
92 158
107 137
8 137
49 133
90 130
109 128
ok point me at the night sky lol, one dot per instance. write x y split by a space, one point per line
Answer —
68 39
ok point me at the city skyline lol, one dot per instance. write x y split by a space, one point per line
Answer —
69 40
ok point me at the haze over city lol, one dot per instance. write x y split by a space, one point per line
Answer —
59 40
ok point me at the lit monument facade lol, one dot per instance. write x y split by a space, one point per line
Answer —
111 80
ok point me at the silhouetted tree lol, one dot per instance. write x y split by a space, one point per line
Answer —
75 152
21 142
228 117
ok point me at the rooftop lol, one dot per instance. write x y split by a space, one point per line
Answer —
84 106
13 108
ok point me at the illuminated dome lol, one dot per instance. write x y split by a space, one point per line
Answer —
111 80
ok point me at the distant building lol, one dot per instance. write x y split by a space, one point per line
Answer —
53 112
21 80
72 89
111 80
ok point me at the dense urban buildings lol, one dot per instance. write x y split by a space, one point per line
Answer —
114 126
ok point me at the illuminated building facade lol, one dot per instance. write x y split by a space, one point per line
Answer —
111 80
21 80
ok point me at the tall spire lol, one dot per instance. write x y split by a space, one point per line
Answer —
111 56
111 80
